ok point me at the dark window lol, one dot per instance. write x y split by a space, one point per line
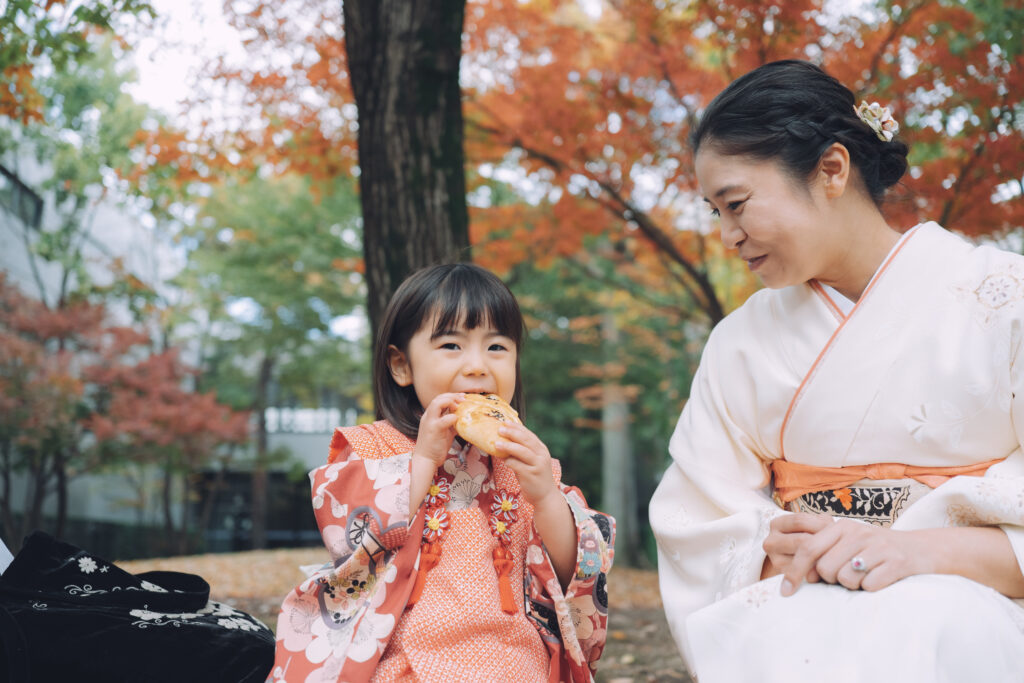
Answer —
19 199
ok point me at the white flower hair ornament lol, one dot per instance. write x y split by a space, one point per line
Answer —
879 118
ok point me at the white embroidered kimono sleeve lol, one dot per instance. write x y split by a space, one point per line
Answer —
996 499
711 511
927 370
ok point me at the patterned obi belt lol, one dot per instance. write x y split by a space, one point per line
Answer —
871 493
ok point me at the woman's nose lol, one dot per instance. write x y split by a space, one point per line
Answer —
732 233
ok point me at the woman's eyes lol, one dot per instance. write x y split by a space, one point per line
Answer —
733 207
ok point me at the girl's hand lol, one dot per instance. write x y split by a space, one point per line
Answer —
788 534
437 429
433 440
527 456
886 556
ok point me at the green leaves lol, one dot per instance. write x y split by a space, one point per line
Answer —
38 37
275 260
1002 25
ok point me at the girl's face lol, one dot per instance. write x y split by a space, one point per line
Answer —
776 226
472 361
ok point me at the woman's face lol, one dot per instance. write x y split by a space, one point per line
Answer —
775 224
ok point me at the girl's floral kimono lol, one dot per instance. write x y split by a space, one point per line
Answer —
351 621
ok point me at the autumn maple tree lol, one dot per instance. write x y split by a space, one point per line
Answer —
83 393
79 394
589 107
597 109
144 415
41 399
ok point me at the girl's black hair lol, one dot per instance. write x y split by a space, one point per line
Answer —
791 111
457 294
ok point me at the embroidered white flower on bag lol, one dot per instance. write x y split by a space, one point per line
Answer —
161 618
237 623
87 565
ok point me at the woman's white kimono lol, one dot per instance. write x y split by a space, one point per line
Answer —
925 370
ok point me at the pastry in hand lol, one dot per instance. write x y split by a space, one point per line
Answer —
480 416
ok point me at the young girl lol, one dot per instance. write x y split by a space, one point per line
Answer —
448 564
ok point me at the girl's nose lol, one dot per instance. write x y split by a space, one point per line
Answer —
473 363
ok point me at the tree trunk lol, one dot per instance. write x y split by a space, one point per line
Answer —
182 540
167 499
403 60
259 468
6 510
33 518
618 467
60 472
209 494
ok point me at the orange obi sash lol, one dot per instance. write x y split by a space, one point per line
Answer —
792 480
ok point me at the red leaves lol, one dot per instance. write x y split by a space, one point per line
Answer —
67 370
149 406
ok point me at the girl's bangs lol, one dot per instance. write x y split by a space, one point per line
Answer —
470 302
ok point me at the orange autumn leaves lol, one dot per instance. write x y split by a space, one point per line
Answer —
600 107
577 120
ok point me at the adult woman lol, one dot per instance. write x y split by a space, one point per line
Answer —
846 499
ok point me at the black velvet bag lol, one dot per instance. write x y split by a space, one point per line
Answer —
67 615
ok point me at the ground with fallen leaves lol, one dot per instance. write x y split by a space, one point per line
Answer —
639 648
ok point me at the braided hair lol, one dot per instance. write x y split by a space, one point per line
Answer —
792 111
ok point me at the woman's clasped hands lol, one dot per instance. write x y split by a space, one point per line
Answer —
811 547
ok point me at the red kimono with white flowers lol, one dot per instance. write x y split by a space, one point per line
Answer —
351 621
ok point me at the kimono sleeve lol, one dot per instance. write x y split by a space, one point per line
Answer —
711 511
573 622
995 499
337 623
1010 472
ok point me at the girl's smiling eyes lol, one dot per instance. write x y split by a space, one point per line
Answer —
449 345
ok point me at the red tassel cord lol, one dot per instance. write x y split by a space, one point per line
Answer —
503 516
503 566
430 555
435 525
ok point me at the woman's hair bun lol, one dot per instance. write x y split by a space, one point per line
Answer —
791 112
892 164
